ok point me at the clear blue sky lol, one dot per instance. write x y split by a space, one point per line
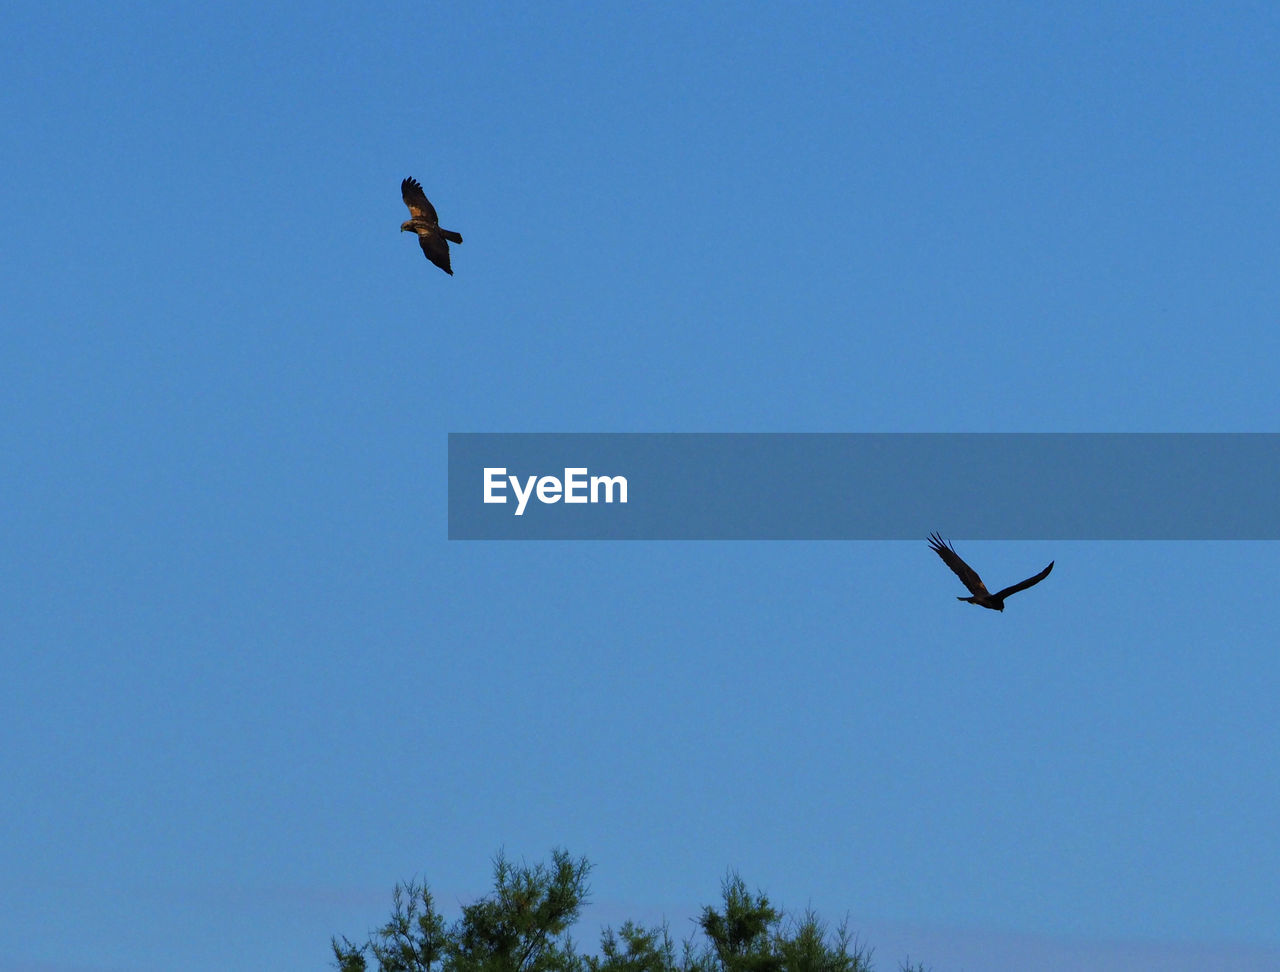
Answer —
248 684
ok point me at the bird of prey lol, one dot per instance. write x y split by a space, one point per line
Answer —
969 577
427 226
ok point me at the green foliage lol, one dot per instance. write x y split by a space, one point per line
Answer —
523 926
520 927
640 950
750 935
412 941
740 935
811 948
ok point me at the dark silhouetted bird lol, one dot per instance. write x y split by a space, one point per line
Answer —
969 577
427 226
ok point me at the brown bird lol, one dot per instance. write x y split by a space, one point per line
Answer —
969 577
427 226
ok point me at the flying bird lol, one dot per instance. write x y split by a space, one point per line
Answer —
969 577
427 226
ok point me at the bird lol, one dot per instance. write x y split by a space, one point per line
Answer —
425 223
969 577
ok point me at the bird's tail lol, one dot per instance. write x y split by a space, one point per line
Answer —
451 236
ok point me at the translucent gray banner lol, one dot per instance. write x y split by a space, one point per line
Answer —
863 486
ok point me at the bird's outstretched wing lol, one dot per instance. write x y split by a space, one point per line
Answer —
437 251
419 205
968 576
1023 585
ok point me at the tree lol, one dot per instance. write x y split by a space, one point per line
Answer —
640 950
810 948
523 926
412 941
740 936
520 927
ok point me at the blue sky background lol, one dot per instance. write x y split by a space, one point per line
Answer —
248 684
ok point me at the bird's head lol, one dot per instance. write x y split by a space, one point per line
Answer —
406 225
